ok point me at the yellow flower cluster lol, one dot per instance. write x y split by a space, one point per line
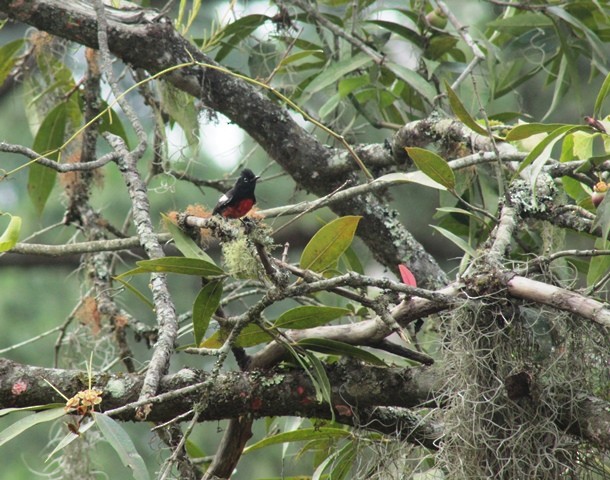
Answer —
84 401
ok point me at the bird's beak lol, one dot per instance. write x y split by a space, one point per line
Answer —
257 177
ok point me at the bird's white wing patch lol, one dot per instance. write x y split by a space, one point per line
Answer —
223 199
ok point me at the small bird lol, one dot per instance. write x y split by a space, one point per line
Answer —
239 200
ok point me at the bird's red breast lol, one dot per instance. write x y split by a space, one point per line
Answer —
238 210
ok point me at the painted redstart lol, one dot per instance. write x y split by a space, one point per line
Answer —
239 200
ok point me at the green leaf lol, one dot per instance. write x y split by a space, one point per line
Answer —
10 236
330 106
543 149
250 335
295 57
526 130
582 148
184 243
400 30
460 111
205 305
602 219
417 176
342 465
601 96
320 380
518 24
28 422
328 244
33 408
334 347
110 122
309 316
593 40
118 439
186 266
463 245
336 71
591 163
298 318
348 85
414 79
574 189
69 438
352 261
8 57
135 291
193 450
599 265
49 139
433 165
235 32
301 435
133 271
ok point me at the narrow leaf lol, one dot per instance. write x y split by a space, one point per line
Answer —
574 189
8 57
184 243
295 57
317 373
309 316
543 149
600 265
10 236
133 271
602 219
417 176
413 79
524 22
407 277
593 40
135 291
205 305
344 461
455 239
235 32
601 96
69 438
186 266
328 244
110 122
301 435
460 111
348 85
49 139
33 408
334 347
336 71
399 29
28 422
353 261
433 165
118 439
526 130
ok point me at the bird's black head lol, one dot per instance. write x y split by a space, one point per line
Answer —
246 179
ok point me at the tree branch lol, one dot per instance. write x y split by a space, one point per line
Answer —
363 389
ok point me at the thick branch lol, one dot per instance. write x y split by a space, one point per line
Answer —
289 392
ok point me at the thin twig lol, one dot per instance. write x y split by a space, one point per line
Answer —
479 56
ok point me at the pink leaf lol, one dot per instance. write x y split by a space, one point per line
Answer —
407 277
